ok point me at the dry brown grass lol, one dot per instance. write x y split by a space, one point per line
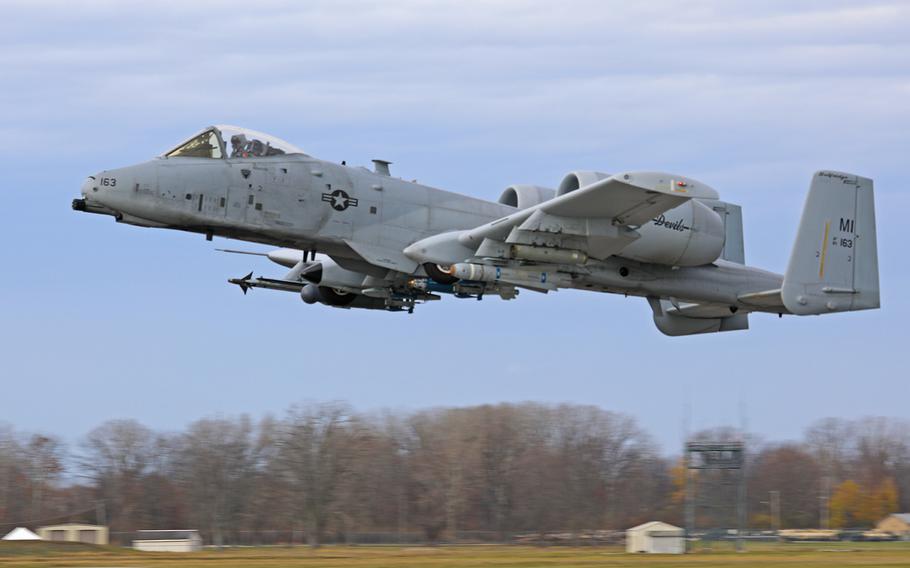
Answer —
48 554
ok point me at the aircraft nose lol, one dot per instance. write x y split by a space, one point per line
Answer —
119 191
88 185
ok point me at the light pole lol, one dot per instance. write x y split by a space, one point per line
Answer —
825 503
773 504
775 510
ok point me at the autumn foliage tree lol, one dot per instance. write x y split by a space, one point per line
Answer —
855 506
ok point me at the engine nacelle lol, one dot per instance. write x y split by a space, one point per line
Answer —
524 196
689 235
576 180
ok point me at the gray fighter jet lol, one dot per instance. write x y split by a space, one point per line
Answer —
390 244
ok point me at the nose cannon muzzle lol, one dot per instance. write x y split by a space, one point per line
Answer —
86 204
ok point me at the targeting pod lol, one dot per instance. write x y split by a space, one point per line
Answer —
520 276
548 254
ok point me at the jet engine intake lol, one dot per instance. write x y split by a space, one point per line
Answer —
577 180
523 196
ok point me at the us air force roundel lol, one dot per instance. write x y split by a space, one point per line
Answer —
340 200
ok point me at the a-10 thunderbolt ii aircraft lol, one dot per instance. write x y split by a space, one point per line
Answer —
390 244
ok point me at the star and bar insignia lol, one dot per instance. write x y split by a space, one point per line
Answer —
340 200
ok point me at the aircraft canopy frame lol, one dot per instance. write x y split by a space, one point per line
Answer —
227 141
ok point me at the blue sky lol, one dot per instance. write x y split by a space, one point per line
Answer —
105 321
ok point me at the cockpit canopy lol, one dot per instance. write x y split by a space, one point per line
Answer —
225 141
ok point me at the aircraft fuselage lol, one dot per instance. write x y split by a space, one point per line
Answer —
301 202
392 244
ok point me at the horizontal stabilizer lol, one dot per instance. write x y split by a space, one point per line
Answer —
767 301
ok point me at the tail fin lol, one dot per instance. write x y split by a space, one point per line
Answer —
834 263
734 251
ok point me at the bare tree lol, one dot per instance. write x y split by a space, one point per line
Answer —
216 467
312 452
116 456
499 469
832 441
793 475
43 457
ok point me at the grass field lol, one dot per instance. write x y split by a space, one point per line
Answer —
837 554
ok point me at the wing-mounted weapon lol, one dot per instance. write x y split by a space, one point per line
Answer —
325 281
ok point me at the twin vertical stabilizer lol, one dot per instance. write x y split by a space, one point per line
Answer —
834 263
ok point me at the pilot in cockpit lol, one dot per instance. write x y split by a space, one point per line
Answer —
256 148
272 151
243 147
238 143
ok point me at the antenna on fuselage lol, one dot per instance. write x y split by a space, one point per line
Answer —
381 167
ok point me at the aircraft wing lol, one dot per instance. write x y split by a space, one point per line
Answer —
599 219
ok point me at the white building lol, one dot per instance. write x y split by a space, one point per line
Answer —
75 532
21 533
168 541
656 537
897 524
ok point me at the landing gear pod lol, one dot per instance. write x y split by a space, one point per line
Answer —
312 293
332 297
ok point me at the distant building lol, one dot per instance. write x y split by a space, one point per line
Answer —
808 535
168 541
75 532
897 524
656 537
21 533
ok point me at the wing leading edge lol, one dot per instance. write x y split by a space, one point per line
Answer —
599 220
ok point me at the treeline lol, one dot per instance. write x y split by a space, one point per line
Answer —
326 472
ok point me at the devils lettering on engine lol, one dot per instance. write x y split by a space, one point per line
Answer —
677 225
